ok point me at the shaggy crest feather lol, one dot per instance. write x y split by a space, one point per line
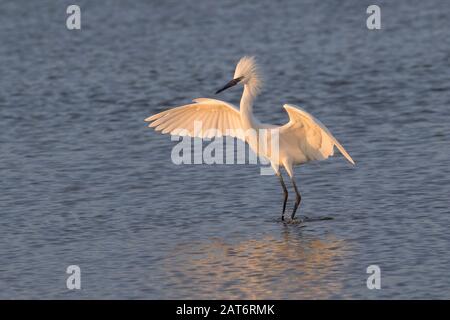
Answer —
248 69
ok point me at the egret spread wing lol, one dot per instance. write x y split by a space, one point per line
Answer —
313 137
215 117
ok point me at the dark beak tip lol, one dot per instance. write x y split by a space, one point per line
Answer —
229 85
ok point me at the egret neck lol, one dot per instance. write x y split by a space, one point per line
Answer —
246 108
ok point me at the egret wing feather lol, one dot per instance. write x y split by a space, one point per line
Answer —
314 138
223 117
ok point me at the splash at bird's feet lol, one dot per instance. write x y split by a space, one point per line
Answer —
303 219
295 221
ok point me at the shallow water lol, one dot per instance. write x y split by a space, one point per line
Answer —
83 181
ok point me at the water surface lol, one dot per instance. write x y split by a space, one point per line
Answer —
83 181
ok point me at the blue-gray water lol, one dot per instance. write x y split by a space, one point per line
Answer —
84 182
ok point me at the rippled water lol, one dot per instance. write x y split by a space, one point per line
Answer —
83 181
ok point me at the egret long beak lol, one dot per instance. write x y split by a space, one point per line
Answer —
230 84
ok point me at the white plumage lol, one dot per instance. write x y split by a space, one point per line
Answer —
213 114
303 139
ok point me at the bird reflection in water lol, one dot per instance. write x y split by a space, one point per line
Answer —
290 267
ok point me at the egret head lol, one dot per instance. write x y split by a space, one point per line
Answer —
246 73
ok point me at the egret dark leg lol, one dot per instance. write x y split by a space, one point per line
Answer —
285 191
297 199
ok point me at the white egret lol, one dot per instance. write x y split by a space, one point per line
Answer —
302 139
